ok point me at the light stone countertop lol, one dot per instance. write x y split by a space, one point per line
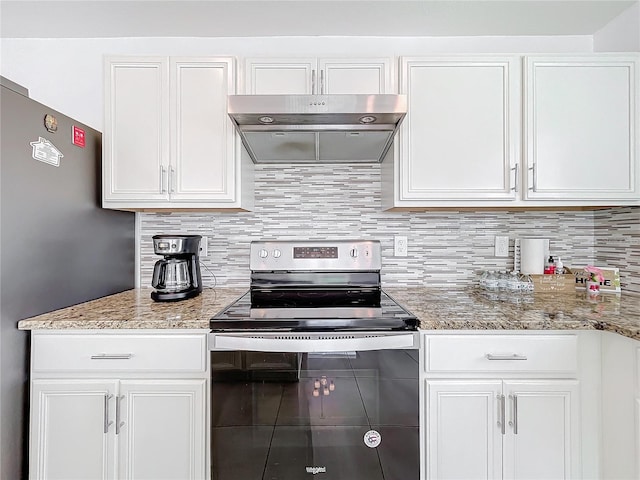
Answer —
477 309
437 309
135 309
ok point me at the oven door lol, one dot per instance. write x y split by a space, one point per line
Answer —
318 406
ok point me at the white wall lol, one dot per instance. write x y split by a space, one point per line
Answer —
622 34
66 74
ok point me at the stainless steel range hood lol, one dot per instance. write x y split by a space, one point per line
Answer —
317 128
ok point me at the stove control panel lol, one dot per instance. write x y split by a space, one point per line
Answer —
311 255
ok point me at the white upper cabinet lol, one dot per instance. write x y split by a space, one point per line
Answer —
136 136
318 76
466 142
168 141
582 128
460 139
203 150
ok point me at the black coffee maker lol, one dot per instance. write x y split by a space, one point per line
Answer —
177 275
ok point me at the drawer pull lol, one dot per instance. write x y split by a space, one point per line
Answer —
501 414
514 413
119 423
112 356
513 356
107 422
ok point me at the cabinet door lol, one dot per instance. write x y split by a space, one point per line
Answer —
542 440
620 434
460 139
136 143
70 433
275 76
162 429
463 437
582 128
355 76
203 155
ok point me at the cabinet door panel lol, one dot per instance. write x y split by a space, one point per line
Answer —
203 150
67 433
276 76
163 433
581 128
367 76
542 440
463 438
460 138
136 129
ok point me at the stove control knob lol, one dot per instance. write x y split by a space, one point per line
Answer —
263 253
354 253
276 253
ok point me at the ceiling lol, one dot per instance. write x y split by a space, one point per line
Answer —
247 18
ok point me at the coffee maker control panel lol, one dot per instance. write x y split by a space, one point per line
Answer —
169 247
176 244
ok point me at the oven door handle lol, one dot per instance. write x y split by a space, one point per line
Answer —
293 342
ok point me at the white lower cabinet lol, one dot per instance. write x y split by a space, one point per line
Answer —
620 407
495 429
542 431
162 429
69 437
494 410
462 436
110 415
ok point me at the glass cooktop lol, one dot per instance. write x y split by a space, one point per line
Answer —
383 313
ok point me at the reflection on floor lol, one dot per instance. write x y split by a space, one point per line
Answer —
315 428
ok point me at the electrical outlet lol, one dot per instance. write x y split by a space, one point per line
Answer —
400 246
501 246
204 250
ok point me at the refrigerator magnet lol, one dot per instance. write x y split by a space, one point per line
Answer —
78 136
51 123
45 151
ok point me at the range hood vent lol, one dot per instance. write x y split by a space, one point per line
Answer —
317 128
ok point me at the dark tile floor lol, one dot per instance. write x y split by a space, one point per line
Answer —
281 431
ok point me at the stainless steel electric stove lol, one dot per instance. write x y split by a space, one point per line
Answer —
315 369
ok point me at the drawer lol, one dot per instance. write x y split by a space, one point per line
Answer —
101 353
501 353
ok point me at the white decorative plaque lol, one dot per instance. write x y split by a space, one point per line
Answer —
45 151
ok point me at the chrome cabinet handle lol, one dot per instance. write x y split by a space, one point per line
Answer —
501 414
534 183
313 82
511 356
516 186
107 422
514 413
119 423
162 184
172 180
112 356
321 81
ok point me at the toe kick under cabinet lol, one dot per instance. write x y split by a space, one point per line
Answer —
118 405
500 406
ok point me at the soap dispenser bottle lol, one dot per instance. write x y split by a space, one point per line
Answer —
559 266
549 266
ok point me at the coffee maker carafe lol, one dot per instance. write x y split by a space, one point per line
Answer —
177 275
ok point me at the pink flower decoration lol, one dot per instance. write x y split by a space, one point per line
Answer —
595 274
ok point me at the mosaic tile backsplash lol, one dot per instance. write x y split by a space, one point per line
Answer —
344 201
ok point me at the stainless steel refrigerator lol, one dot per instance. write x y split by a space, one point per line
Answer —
58 247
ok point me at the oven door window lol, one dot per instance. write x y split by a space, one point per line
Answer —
291 416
